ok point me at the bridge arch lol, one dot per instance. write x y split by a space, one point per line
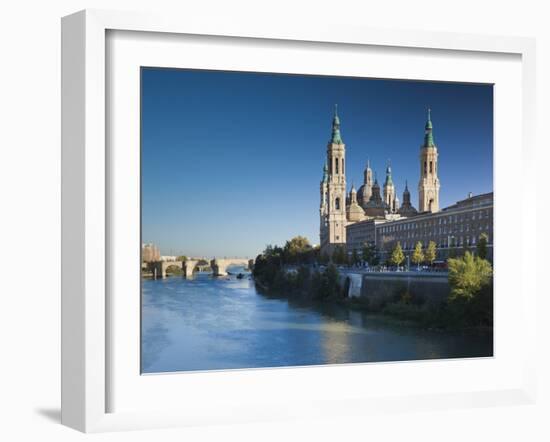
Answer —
190 266
159 267
219 266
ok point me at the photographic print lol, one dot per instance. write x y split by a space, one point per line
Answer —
298 220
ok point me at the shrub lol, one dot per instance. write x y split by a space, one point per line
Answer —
468 274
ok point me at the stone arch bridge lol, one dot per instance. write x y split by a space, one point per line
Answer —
218 266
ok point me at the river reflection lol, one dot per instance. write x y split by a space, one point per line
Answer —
210 323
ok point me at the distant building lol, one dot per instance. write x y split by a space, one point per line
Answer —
149 253
361 233
375 217
454 229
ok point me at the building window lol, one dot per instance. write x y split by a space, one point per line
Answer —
425 168
343 170
431 167
336 165
337 201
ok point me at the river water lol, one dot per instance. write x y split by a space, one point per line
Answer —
209 323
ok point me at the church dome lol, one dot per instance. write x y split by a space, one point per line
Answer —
362 196
355 212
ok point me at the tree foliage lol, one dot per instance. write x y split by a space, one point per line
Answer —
431 252
297 250
369 253
482 246
418 255
339 255
325 285
397 255
468 275
272 275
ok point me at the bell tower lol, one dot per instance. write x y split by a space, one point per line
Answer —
389 189
428 186
323 208
336 190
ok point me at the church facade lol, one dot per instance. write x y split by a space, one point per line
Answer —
339 210
373 214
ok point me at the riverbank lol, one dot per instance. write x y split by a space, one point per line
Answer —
404 307
397 316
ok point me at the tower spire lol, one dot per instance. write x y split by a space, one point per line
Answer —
333 224
336 137
428 185
388 172
428 131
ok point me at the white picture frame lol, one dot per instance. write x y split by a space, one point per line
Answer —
86 203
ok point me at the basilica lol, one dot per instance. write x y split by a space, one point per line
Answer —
339 209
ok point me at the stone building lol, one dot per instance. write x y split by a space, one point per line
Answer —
361 233
375 217
407 210
339 209
333 217
428 186
365 191
454 229
376 207
150 253
390 197
354 211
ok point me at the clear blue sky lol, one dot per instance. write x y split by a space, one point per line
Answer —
232 161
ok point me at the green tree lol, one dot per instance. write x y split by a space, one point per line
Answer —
182 258
431 252
315 254
468 275
303 277
368 253
482 246
273 254
417 256
297 249
339 255
325 285
397 255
